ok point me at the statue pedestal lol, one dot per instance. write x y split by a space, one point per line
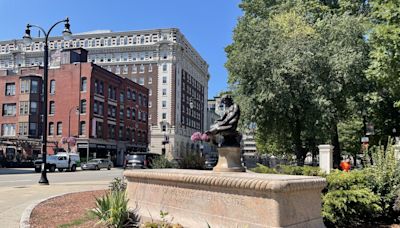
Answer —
197 198
229 160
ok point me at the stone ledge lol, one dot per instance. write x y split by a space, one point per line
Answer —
243 181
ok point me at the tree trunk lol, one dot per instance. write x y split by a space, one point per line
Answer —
336 146
312 147
298 144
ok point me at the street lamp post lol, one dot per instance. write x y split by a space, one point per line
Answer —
27 39
76 108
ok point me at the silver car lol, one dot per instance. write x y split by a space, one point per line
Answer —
97 164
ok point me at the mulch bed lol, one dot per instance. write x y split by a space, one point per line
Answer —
67 211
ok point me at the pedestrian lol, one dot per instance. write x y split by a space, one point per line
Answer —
345 165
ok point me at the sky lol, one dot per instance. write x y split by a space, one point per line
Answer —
207 24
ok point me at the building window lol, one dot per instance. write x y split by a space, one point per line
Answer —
9 109
141 69
134 69
51 128
125 70
101 108
23 108
121 114
150 81
133 95
140 99
83 106
164 115
164 127
83 84
164 92
111 131
117 70
23 128
59 128
128 113
164 104
139 115
34 87
8 129
52 87
164 79
99 129
82 128
150 68
32 128
25 86
121 97
52 109
10 89
111 111
133 114
150 104
164 67
101 88
33 107
120 133
141 81
128 94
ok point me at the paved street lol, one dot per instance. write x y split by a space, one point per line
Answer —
19 188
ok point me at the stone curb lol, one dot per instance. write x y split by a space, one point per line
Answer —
26 215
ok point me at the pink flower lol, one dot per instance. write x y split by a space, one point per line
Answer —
205 137
71 140
64 140
196 137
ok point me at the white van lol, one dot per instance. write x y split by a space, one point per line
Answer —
61 161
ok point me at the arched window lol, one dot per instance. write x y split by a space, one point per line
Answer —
82 128
83 84
59 128
52 108
51 128
52 86
83 106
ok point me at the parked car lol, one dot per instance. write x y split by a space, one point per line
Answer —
97 164
141 160
60 161
210 162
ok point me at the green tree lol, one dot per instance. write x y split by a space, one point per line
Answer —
294 65
385 49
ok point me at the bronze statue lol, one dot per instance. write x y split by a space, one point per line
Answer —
227 124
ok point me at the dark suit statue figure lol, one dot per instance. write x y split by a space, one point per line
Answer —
227 124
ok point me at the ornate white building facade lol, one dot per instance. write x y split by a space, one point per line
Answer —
161 59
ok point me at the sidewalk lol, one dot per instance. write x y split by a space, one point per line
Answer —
14 200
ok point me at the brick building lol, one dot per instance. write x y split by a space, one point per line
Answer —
162 60
107 114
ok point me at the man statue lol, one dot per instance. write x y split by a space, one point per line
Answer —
227 124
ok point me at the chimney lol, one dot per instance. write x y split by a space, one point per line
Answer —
74 55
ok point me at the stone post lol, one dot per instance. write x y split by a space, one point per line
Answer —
396 149
325 158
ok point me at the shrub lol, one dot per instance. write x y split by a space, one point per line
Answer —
164 223
349 200
161 162
191 161
117 185
289 170
350 207
263 169
112 209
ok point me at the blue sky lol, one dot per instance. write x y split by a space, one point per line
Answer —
207 24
